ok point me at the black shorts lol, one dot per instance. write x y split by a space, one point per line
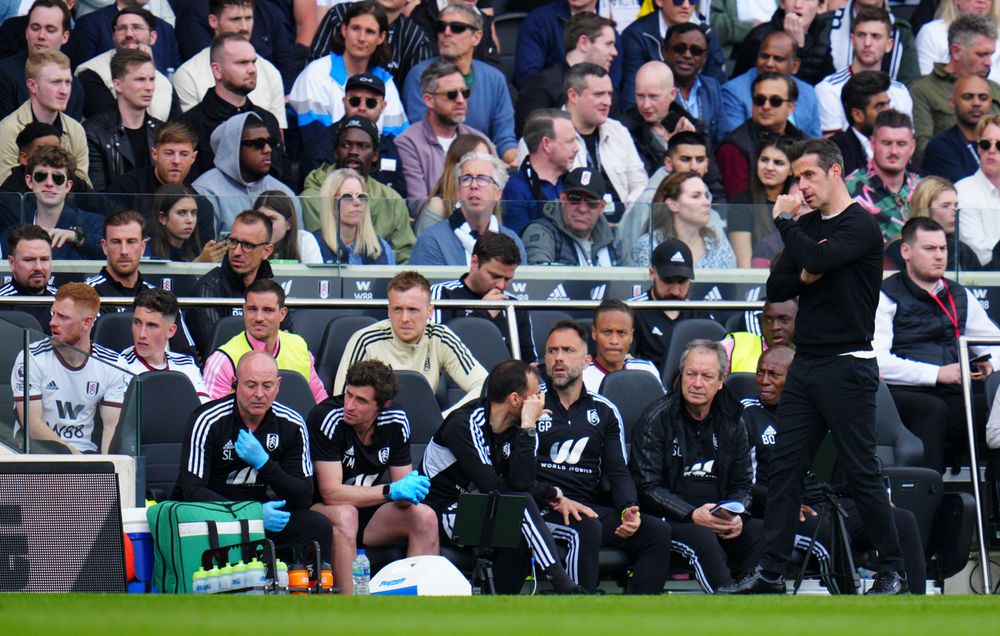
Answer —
364 518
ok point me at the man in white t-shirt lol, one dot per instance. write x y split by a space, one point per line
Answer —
68 378
612 331
154 323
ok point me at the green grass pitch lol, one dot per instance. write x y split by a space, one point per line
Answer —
38 615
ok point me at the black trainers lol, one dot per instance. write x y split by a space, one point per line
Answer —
755 583
888 583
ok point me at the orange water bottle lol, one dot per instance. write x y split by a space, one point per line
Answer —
298 579
326 577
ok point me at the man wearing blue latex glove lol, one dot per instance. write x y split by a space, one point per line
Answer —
356 438
245 446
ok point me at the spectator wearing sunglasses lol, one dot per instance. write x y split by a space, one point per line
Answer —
427 14
243 148
481 179
489 108
643 39
774 97
573 230
31 138
318 94
346 233
684 51
76 234
979 195
423 145
811 30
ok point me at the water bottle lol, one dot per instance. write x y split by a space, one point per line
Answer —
240 575
225 578
361 573
212 578
256 576
199 581
281 577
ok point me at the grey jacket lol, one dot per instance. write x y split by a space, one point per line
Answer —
224 184
549 242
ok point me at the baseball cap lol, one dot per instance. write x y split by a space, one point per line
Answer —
672 258
585 180
363 124
365 80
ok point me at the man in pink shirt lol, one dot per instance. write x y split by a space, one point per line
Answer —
263 310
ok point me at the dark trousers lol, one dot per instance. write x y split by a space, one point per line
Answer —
304 526
835 393
936 414
649 547
715 561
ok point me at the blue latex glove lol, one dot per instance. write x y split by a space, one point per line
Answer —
250 450
412 488
274 518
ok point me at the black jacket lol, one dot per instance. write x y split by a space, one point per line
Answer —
137 189
212 111
659 449
544 89
97 97
850 146
324 146
815 59
110 150
920 330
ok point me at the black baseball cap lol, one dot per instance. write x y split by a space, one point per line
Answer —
363 124
672 258
365 80
585 180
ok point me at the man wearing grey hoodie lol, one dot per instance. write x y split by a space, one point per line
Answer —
242 147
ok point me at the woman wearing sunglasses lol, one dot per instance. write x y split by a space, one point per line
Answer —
347 235
682 209
290 243
173 234
360 53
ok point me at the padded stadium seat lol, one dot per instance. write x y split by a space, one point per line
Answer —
992 383
24 320
311 323
225 330
114 330
742 385
295 392
482 338
895 444
335 340
632 391
745 321
12 326
507 27
684 332
417 400
541 323
164 401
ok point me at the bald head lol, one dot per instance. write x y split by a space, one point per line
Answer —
779 355
256 362
971 98
778 54
257 384
654 91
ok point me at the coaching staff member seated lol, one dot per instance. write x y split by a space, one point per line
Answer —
689 453
833 262
356 437
489 445
247 447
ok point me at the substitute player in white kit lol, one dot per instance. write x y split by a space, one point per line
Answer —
68 377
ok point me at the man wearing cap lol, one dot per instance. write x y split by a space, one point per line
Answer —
364 96
573 230
671 270
357 148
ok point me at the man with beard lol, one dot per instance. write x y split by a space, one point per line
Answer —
885 186
864 96
685 50
952 154
29 256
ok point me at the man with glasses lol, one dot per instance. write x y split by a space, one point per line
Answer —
481 178
573 231
76 234
249 246
96 31
356 148
134 29
243 148
488 107
774 97
685 51
979 195
422 147
642 40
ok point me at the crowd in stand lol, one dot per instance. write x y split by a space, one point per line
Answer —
240 132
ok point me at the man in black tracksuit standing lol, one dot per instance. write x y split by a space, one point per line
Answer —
833 262
581 444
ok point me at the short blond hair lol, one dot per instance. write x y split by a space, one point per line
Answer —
40 59
986 121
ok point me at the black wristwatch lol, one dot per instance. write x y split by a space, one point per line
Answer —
80 236
530 432
786 216
387 492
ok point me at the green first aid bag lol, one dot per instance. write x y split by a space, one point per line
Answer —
182 531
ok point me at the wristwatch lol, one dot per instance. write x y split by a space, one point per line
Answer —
786 216
530 432
80 236
387 492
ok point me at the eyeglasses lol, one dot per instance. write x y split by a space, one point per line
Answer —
453 94
135 28
458 28
247 246
259 143
370 102
351 198
40 176
984 144
774 100
481 180
681 3
579 199
681 49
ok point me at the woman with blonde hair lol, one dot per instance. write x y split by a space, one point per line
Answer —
937 199
932 39
682 208
444 198
346 233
